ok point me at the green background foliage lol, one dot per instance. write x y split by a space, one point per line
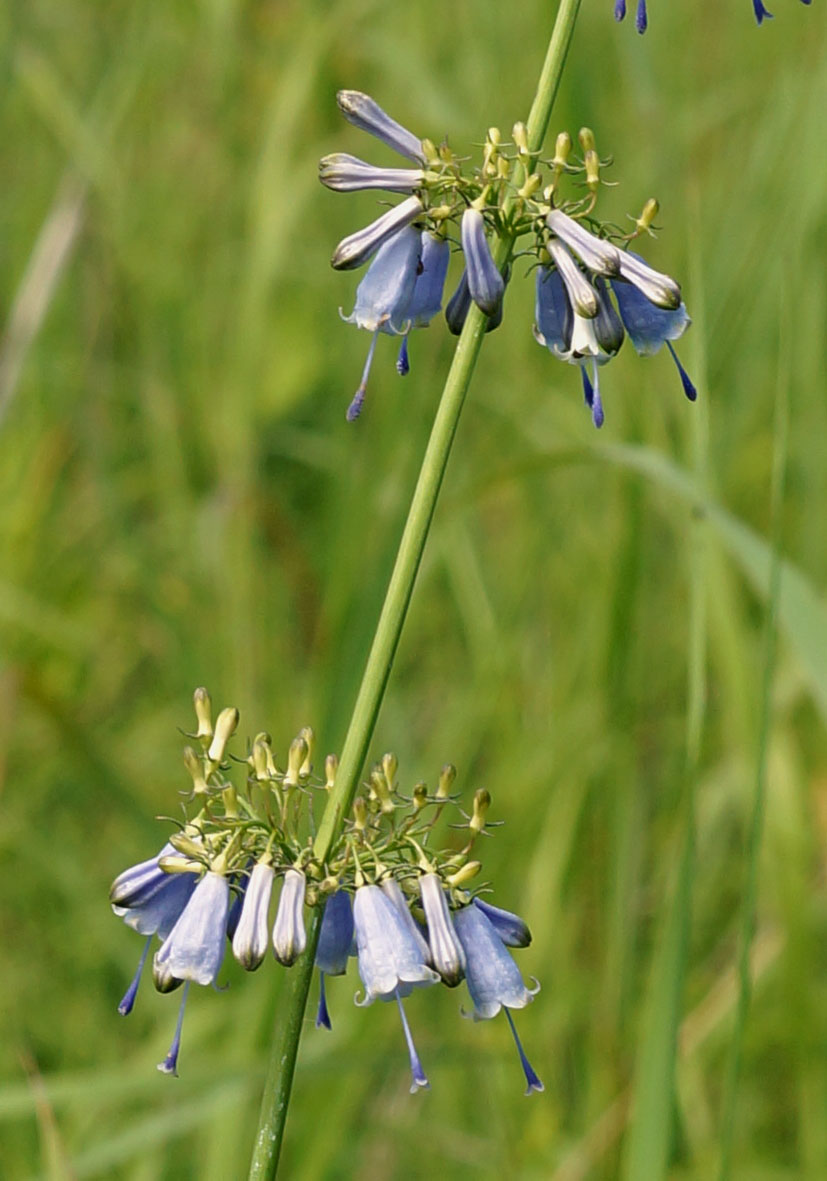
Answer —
183 503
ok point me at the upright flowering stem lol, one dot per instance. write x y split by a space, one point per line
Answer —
389 628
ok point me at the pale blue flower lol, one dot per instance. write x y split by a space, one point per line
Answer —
384 296
650 327
194 948
457 310
426 300
494 980
366 114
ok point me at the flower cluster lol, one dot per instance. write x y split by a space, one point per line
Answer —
642 19
385 894
584 267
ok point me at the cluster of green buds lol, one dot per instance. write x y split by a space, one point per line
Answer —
386 892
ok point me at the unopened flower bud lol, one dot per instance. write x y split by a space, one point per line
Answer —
225 727
519 133
592 162
482 801
195 767
430 152
562 151
465 874
253 931
586 137
420 796
390 765
295 761
259 759
446 781
186 845
203 713
309 737
182 864
381 791
331 766
648 215
494 136
289 938
447 955
360 814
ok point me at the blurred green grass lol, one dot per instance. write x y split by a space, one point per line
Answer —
182 502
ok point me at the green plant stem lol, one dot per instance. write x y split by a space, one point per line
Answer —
391 620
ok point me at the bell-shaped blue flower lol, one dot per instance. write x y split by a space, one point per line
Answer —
289 935
426 299
150 902
390 959
392 890
485 283
334 946
650 327
510 927
252 934
348 174
357 248
493 978
447 955
384 296
366 114
194 948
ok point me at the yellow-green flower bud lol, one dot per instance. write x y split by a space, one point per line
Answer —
430 152
562 150
295 761
586 137
195 767
331 766
203 713
465 874
650 212
360 814
446 781
592 162
309 737
482 801
420 796
494 136
180 864
519 133
225 727
390 765
259 759
186 845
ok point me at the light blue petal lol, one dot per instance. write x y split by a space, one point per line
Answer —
492 976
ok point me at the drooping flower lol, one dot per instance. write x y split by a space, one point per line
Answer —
494 980
447 955
366 114
334 946
348 174
426 300
392 890
659 289
252 934
194 948
149 901
383 298
485 283
390 961
650 327
357 248
289 936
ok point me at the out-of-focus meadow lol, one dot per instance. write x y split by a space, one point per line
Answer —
183 503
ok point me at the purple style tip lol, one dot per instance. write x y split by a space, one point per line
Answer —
641 19
170 1063
620 9
418 1077
128 1001
322 1015
533 1081
403 365
762 13
686 381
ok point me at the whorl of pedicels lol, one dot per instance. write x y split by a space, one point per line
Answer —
388 892
544 207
